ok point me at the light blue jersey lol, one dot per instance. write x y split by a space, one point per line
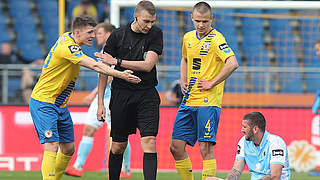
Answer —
272 150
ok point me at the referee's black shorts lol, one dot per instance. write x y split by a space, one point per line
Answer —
134 109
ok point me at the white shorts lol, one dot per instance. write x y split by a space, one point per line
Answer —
92 114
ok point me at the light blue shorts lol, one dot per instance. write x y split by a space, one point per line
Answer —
51 122
196 123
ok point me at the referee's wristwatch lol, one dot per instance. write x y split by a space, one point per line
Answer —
119 61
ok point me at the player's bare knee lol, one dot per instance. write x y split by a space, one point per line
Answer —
148 144
118 147
51 146
67 148
89 131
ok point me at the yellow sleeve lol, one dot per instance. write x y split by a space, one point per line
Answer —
184 48
222 48
72 52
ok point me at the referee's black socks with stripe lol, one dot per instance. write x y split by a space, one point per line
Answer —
115 164
150 166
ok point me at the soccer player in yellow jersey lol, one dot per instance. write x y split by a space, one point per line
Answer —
48 109
206 62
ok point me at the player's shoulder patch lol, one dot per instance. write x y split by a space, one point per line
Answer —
74 48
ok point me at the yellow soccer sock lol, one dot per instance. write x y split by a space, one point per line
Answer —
209 168
184 168
61 164
48 165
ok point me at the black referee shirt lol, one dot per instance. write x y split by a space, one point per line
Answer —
125 44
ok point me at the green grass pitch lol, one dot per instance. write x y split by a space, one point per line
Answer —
23 175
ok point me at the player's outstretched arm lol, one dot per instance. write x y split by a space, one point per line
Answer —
107 70
230 66
143 65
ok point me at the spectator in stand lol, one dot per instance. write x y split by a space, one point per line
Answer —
29 79
86 8
7 56
174 94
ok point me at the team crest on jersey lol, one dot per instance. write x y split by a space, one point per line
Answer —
205 46
206 99
74 48
48 133
189 45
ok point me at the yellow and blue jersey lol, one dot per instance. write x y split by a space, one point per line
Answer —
59 72
205 59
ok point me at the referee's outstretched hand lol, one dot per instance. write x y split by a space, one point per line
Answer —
127 75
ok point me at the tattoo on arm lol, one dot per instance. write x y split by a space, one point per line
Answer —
267 177
234 175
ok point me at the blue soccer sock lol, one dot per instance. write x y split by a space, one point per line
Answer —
83 152
126 159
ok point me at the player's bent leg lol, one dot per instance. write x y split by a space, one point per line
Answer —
182 161
209 163
63 158
150 160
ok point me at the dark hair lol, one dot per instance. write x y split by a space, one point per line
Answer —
202 7
317 42
80 22
145 5
256 119
106 27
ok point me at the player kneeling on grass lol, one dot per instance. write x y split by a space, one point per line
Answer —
50 95
265 154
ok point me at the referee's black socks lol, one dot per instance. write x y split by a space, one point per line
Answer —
150 166
115 164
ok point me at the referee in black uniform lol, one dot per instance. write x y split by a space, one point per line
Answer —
136 47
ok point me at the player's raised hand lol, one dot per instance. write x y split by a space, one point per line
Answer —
106 58
128 76
205 85
184 87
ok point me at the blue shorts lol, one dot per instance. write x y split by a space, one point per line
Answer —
51 122
196 123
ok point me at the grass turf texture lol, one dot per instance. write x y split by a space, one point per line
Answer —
23 175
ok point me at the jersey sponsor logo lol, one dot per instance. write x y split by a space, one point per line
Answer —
196 64
224 47
277 152
74 48
238 149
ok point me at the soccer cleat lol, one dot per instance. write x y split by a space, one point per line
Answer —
73 172
125 175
